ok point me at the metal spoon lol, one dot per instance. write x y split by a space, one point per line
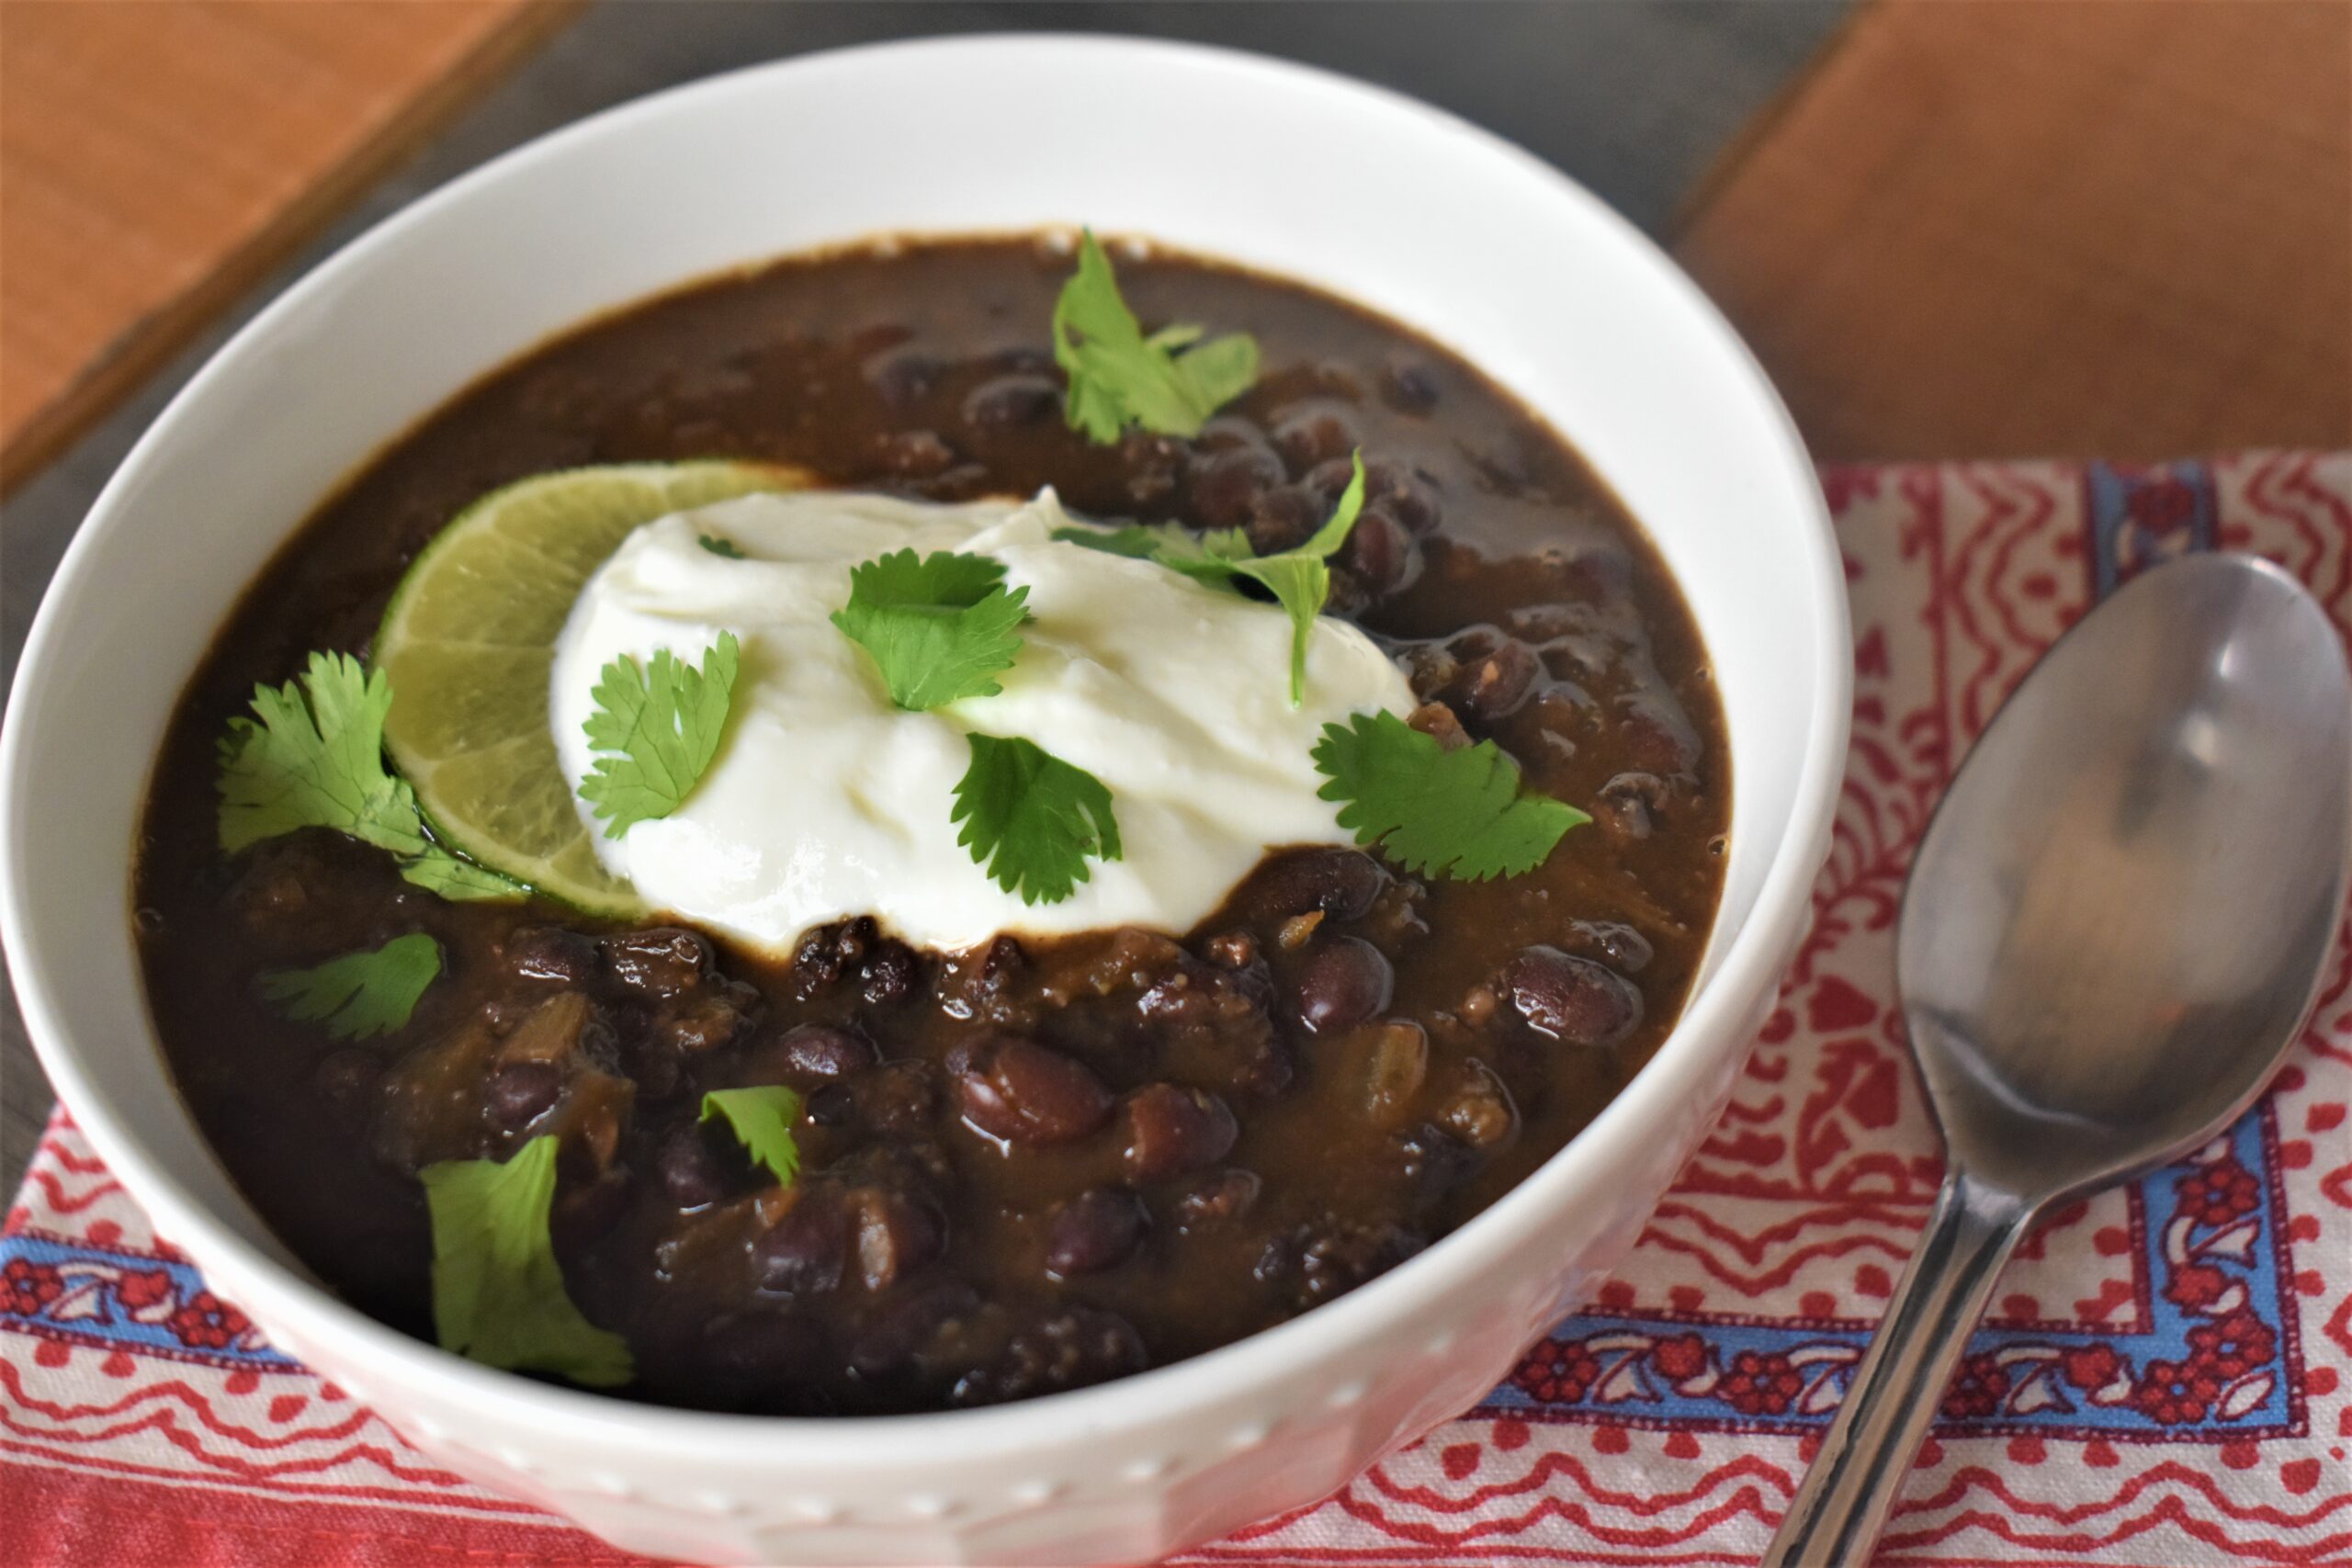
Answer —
2113 929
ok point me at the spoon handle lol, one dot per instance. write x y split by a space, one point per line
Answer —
1837 1513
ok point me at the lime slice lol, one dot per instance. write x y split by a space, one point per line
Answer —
468 643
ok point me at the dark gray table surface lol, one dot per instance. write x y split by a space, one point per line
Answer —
1634 97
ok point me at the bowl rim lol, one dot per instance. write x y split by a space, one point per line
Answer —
1748 963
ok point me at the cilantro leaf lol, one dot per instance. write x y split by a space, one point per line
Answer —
1135 541
939 629
438 871
762 1118
664 720
313 756
315 760
1170 382
1299 578
1437 812
725 548
361 994
1032 819
498 1292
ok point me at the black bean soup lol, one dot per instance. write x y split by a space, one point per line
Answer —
1038 1164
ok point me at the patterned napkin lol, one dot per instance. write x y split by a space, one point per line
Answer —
2167 1379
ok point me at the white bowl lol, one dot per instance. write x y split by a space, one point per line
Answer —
1362 191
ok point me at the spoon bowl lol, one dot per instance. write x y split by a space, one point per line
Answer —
2117 918
2114 928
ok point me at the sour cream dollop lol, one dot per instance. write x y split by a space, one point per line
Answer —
825 801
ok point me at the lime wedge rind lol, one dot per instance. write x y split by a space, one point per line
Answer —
468 642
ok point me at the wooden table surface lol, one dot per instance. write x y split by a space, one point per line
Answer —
1974 228
159 155
2052 228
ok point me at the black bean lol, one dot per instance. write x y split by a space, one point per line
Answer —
1564 709
1345 982
1493 684
1074 1348
1215 1199
1475 641
1403 495
518 1093
1187 996
709 1020
1153 464
1379 552
1020 1092
1098 1229
902 378
349 1077
1247 980
551 952
1601 574
691 1172
1341 883
1571 999
832 1105
1627 803
1479 1110
1658 738
1614 942
915 454
1281 519
903 1335
1431 1162
1313 432
1227 487
1005 959
897 1232
896 1098
807 1054
663 962
828 953
984 985
1232 949
1547 621
888 973
1326 482
1228 432
1023 359
1330 1256
1428 666
1009 402
1168 1129
804 1253
1410 386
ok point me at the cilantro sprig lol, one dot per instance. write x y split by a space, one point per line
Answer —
1132 540
726 550
498 1291
939 628
660 724
313 756
1459 813
1299 578
1032 820
761 1119
1169 383
361 994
